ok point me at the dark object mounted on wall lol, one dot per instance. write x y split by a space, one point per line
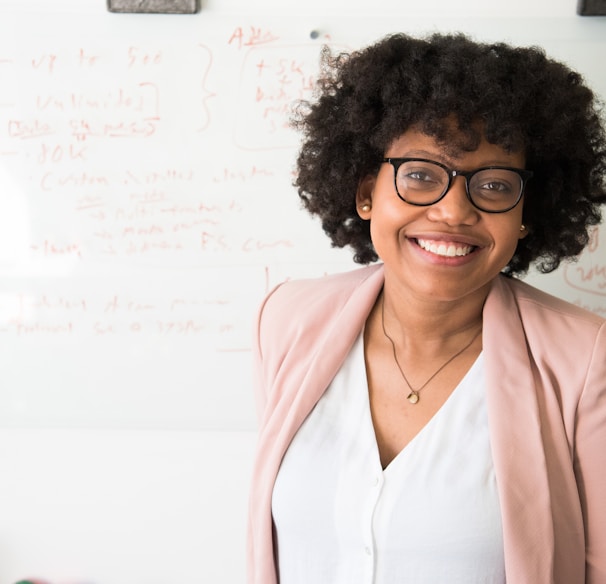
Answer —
154 6
591 7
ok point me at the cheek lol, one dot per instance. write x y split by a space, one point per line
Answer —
384 230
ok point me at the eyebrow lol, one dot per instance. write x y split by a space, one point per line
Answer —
431 155
448 161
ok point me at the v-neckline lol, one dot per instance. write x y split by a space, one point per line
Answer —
412 444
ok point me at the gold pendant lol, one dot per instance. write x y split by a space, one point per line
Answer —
413 397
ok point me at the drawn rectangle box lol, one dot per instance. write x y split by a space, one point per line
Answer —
154 6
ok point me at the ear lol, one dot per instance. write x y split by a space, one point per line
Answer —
364 196
523 231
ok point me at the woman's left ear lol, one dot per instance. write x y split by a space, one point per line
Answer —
523 231
364 196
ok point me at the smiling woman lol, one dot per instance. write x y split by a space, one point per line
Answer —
417 417
417 235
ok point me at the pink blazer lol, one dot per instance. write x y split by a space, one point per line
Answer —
545 365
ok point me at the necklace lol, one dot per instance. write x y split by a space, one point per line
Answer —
413 396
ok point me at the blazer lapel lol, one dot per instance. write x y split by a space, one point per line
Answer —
518 451
333 348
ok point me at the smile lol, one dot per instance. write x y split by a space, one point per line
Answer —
445 249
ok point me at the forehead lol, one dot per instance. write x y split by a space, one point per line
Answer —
454 148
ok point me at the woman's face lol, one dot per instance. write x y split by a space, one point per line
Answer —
450 249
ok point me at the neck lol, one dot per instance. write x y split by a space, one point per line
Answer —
429 324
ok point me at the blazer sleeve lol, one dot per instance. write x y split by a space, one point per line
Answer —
590 461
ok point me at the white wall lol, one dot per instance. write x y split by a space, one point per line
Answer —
125 454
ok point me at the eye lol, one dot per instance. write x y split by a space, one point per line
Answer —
496 186
420 175
496 183
425 176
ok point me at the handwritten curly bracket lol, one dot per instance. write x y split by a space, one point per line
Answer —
154 6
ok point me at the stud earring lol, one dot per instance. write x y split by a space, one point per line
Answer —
522 227
365 208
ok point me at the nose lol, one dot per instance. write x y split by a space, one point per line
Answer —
454 208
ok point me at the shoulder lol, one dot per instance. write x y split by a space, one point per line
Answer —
563 343
555 331
533 302
304 299
299 315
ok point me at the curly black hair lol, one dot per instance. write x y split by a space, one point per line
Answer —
523 101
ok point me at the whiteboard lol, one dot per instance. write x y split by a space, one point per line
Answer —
146 205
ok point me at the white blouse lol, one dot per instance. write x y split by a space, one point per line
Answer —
432 516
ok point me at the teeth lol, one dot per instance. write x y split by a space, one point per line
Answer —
444 249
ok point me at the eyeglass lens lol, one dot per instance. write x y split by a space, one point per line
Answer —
423 183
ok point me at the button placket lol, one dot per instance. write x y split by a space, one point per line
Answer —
375 483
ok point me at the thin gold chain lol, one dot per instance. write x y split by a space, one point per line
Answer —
413 396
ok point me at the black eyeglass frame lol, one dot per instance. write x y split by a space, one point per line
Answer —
525 176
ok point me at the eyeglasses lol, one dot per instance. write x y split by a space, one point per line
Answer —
492 189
